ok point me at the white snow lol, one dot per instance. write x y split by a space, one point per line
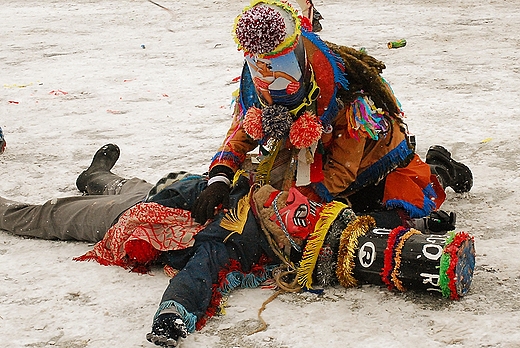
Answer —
77 75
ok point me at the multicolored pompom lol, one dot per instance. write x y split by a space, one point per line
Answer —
260 30
276 122
267 28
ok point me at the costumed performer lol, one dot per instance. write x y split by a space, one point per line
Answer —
331 150
338 137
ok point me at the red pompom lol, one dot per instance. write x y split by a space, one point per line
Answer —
305 131
253 123
141 252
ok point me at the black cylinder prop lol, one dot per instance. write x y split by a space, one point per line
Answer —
405 259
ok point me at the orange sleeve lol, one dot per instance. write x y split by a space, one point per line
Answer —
235 146
343 160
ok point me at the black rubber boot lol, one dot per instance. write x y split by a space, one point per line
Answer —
450 172
167 330
98 178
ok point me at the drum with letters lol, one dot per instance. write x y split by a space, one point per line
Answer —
405 259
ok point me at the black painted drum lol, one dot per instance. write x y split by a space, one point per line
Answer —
405 259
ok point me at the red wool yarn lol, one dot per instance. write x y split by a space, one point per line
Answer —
140 252
305 131
260 30
253 123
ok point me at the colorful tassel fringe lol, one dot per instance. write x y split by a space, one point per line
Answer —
315 242
449 261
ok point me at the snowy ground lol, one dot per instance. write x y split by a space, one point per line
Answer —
79 74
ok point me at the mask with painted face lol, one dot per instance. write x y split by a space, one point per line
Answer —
268 32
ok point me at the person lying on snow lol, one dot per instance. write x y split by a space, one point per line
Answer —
333 149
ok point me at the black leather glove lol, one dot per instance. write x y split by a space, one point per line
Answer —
441 221
215 196
438 222
167 329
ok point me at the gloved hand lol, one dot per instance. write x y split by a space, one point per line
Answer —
438 222
441 221
213 198
167 329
